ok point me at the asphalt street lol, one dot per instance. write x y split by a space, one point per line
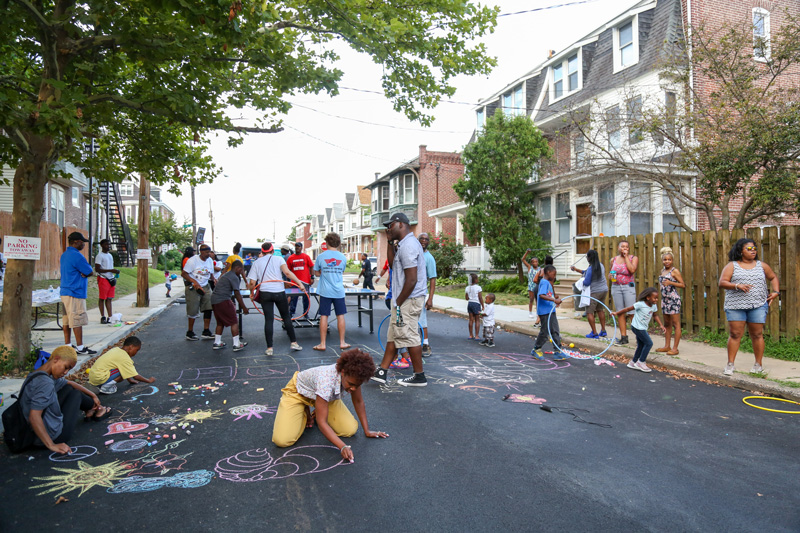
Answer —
667 455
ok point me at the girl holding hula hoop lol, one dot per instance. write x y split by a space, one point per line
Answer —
644 309
533 269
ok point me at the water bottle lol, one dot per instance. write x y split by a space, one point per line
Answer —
51 290
613 276
398 317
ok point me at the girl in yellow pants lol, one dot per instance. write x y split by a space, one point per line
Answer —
322 387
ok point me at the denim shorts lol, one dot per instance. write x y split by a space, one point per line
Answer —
325 303
751 316
474 308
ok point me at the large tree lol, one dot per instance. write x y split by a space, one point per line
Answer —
153 79
733 128
164 231
500 206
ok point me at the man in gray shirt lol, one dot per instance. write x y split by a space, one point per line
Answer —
409 279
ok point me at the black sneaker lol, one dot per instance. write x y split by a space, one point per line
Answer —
103 320
219 346
426 350
192 336
380 375
414 381
86 351
623 339
241 346
207 335
490 344
484 342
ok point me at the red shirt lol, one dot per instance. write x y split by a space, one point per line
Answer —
301 265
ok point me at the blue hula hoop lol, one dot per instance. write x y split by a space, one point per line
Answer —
610 344
421 333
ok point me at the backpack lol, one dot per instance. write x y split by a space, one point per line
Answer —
18 433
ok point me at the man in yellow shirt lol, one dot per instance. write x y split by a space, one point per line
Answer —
115 365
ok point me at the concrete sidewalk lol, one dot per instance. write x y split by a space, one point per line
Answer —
98 337
695 358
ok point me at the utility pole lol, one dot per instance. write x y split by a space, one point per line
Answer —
273 230
194 221
211 217
142 265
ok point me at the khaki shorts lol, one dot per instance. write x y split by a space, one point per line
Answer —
75 312
407 335
594 306
195 303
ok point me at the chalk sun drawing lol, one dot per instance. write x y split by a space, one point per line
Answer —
183 480
200 416
77 453
83 478
128 445
163 420
125 427
258 464
251 410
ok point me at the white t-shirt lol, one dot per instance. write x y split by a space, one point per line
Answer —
472 292
268 268
199 270
488 310
106 262
221 266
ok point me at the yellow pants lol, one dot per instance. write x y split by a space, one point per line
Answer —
290 421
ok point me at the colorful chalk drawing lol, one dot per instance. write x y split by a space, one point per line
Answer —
125 427
163 420
524 398
254 367
258 464
200 416
159 465
152 392
183 480
251 410
77 453
129 445
83 478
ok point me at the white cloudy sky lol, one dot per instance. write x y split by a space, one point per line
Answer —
273 178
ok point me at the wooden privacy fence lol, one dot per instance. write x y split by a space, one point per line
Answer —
54 242
701 255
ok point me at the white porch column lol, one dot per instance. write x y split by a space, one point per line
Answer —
483 255
459 230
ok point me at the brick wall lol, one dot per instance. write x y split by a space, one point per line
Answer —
438 172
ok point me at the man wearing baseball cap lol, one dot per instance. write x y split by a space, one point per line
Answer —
75 271
409 280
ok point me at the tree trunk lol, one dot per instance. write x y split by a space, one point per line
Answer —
142 273
30 179
520 273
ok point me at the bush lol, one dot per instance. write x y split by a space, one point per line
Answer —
507 285
459 279
449 255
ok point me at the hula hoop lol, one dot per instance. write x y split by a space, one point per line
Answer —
257 308
771 410
610 344
421 333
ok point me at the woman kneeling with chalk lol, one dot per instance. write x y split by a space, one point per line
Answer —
322 387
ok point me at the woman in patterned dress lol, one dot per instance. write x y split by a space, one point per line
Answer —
747 299
670 280
533 269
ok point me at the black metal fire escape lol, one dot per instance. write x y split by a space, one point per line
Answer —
118 231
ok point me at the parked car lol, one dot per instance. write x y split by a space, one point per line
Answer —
374 262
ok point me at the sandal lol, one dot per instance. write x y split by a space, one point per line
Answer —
107 413
319 348
344 346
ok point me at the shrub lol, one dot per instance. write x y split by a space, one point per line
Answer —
448 253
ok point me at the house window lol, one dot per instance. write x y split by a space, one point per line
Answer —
671 111
761 36
579 149
508 104
384 198
409 192
669 218
126 189
76 196
380 198
605 210
87 215
573 82
130 214
545 218
558 81
519 101
57 206
626 44
613 127
364 217
481 114
572 73
341 229
641 209
562 205
635 135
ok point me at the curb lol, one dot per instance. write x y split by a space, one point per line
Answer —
739 381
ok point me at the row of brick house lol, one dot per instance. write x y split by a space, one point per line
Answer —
611 72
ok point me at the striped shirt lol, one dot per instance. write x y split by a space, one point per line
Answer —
756 297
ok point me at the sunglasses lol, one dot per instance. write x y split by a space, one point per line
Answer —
205 249
750 248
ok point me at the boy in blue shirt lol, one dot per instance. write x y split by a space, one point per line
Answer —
329 268
546 302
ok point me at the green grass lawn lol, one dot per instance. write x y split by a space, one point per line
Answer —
126 284
502 298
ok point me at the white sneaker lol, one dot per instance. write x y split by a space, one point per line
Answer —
109 388
757 369
296 347
728 369
531 315
643 367
632 365
268 351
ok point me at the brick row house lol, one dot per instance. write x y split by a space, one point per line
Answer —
602 79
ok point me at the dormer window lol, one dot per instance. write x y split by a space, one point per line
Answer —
514 102
626 44
568 68
481 115
761 48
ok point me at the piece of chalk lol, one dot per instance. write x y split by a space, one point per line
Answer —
224 402
246 382
206 402
108 442
171 393
174 437
188 432
166 436
259 390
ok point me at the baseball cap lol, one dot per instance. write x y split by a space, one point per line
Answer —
298 243
397 217
266 246
76 236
